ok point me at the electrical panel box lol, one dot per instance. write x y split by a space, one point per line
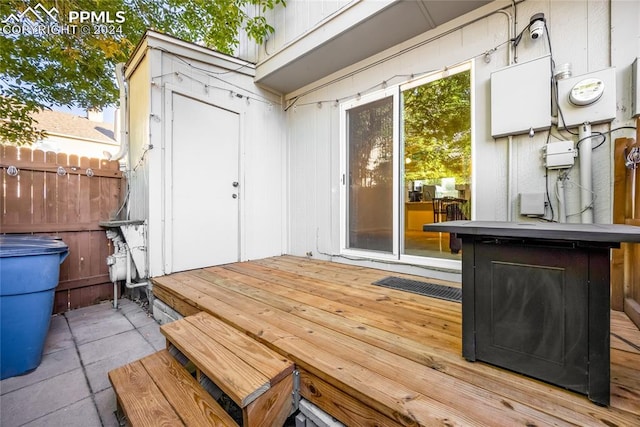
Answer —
635 85
587 98
520 98
532 204
559 155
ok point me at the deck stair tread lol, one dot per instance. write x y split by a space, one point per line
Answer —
157 391
243 368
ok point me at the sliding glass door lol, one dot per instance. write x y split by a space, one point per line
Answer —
370 176
407 161
436 142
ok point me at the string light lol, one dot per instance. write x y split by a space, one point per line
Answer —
206 85
384 84
444 72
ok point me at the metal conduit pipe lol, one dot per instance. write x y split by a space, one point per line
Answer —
128 282
562 212
586 179
115 295
511 31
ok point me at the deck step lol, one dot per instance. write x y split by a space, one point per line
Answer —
257 379
157 391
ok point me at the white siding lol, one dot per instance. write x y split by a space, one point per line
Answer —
290 161
297 18
591 35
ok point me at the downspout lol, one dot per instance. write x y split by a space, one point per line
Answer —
122 114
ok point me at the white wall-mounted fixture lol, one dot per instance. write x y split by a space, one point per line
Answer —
520 97
532 204
587 98
536 26
559 155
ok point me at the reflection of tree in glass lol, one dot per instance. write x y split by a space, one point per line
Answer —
437 130
371 144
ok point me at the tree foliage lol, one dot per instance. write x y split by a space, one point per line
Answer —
437 129
53 59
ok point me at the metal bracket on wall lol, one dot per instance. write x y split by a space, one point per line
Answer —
295 394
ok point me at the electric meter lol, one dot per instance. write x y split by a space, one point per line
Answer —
586 91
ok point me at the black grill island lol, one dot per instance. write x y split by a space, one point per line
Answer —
535 298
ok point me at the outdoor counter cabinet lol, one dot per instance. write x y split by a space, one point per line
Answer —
535 298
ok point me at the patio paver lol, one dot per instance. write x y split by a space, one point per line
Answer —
71 387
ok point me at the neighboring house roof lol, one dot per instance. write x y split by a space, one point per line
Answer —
69 125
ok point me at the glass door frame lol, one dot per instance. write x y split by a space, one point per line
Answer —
344 173
395 91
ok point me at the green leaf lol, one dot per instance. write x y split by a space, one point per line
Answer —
73 69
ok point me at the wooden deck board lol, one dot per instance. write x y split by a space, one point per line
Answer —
347 280
395 353
356 300
343 315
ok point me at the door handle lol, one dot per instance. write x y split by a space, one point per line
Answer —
235 183
235 196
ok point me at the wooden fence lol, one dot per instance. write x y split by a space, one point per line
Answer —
625 262
67 196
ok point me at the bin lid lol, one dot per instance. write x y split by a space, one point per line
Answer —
28 245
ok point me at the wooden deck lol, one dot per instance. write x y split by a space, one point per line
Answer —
372 356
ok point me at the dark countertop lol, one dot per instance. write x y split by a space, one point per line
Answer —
541 230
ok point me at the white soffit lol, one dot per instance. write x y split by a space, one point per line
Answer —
358 32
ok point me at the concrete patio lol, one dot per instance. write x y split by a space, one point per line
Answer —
71 387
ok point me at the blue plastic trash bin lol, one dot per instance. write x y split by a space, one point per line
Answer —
29 271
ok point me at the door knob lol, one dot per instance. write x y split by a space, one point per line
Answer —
235 183
235 196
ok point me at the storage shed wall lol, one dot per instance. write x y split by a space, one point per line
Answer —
164 70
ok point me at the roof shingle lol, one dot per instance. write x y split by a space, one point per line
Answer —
58 122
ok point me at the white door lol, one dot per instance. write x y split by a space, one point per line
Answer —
205 192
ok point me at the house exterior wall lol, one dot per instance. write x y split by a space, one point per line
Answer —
164 66
290 144
591 35
296 19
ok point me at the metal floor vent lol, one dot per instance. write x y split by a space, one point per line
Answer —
423 288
